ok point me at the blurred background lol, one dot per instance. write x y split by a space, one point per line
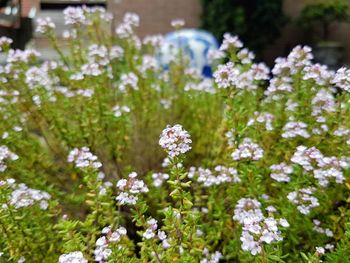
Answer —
268 27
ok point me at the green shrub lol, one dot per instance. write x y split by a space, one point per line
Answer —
324 14
257 22
258 170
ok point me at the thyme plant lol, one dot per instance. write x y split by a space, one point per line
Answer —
107 157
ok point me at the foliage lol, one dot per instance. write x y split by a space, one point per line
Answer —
258 170
324 14
257 22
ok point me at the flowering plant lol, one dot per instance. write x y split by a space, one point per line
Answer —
257 170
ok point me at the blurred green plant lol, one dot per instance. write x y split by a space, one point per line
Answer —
257 22
324 14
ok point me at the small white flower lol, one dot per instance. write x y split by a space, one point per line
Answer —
76 257
44 25
148 234
230 42
320 250
128 80
83 158
177 23
248 150
159 178
119 110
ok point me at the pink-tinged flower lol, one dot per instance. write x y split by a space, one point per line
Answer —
175 140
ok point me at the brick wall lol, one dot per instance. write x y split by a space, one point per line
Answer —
156 15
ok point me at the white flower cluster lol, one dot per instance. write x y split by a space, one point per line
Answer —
248 150
166 103
230 43
248 208
83 158
128 80
116 52
247 80
5 42
166 162
118 110
324 168
73 257
206 85
304 200
177 23
319 73
306 157
74 16
342 79
36 76
323 102
278 85
153 40
281 172
322 250
259 72
256 229
262 117
211 258
293 129
220 175
291 105
175 140
129 188
89 69
343 132
215 54
193 73
126 28
300 56
149 64
102 251
99 59
5 155
100 11
164 239
21 260
317 228
331 167
44 25
245 56
230 135
321 128
256 233
77 76
159 178
285 68
23 196
151 232
69 34
98 54
103 188
225 76
74 93
21 56
152 227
